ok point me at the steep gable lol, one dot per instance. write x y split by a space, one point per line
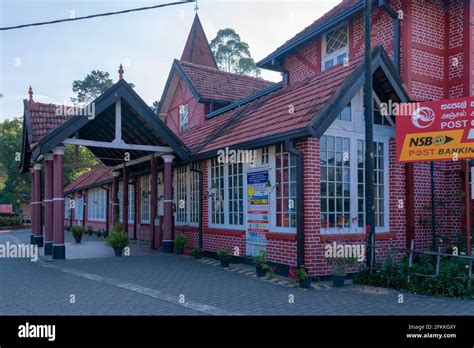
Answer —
197 48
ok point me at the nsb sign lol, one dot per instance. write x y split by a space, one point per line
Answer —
438 130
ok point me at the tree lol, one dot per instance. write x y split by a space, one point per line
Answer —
93 85
155 106
13 186
232 54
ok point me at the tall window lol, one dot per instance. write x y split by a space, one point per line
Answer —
285 170
131 203
145 198
181 196
335 47
194 197
379 183
96 204
183 117
335 182
236 193
79 208
217 192
67 208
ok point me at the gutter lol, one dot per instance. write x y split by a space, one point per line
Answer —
201 190
299 202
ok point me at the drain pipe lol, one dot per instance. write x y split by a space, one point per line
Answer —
200 203
396 32
289 147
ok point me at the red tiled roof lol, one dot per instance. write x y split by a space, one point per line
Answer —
338 9
94 176
220 85
270 115
44 118
197 48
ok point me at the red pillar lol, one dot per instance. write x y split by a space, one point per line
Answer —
115 202
48 204
125 199
59 249
154 173
167 204
36 237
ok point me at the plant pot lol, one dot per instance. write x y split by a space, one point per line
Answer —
305 283
198 256
260 271
225 262
118 251
77 238
179 250
338 280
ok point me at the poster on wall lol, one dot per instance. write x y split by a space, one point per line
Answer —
258 210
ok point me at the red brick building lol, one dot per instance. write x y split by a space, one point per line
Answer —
296 180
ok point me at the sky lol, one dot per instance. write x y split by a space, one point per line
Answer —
51 57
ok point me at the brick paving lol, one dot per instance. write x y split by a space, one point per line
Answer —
164 284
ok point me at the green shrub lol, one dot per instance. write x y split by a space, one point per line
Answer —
90 230
261 260
180 241
118 239
9 220
77 231
451 282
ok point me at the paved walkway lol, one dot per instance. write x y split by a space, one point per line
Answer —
164 284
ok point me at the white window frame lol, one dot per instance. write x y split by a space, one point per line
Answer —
355 130
79 209
188 196
96 204
183 117
144 180
333 56
131 203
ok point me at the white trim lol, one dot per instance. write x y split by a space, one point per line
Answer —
117 145
48 156
168 158
37 166
118 120
59 150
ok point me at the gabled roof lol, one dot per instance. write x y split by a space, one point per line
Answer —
150 128
213 84
304 109
197 48
210 85
340 13
93 178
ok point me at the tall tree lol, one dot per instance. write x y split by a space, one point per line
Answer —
232 54
13 187
93 85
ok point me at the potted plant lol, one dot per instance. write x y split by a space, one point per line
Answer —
197 253
300 275
77 233
90 230
261 264
179 243
339 269
99 233
118 240
225 257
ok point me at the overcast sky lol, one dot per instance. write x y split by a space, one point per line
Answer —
50 58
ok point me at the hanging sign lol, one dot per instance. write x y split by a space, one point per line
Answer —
438 130
257 211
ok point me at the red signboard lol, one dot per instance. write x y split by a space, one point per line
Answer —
6 208
435 131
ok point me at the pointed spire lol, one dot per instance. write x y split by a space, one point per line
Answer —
30 92
197 48
196 6
120 71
